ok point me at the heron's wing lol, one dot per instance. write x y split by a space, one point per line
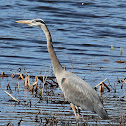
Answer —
78 91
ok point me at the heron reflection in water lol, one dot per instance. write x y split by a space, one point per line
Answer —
77 91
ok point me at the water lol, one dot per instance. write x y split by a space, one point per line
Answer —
82 35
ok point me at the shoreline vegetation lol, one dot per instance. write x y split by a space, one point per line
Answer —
50 82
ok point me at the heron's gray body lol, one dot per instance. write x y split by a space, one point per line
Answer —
80 93
75 90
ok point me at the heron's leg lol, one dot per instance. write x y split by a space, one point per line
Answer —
74 110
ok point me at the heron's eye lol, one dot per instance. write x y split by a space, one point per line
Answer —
33 21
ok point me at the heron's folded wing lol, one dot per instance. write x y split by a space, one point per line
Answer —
79 92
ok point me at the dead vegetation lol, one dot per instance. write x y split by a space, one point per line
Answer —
42 93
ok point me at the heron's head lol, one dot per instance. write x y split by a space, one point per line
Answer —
34 22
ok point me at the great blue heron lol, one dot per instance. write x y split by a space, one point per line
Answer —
76 91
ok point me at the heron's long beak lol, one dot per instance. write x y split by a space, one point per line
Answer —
24 21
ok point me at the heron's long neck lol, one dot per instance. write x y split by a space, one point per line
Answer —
55 62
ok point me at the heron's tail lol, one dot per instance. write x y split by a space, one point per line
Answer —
100 110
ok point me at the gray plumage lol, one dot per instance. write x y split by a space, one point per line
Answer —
80 93
75 90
